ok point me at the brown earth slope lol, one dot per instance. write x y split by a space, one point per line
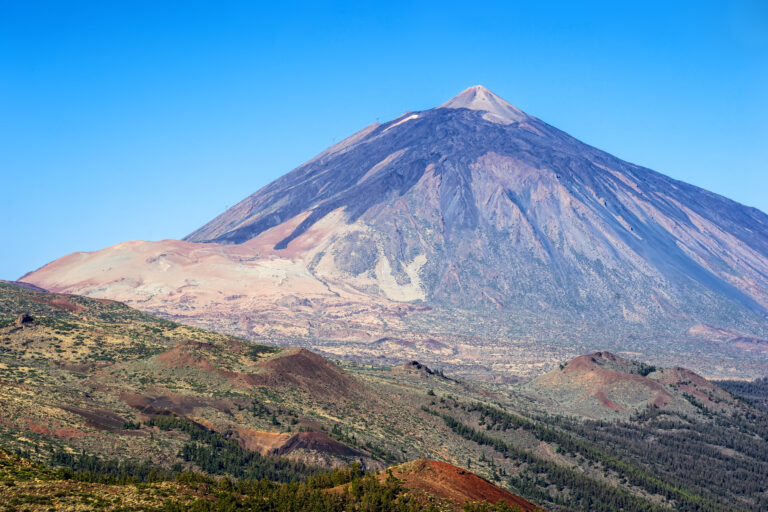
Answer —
605 385
432 479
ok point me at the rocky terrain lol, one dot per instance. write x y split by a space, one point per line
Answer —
105 406
473 232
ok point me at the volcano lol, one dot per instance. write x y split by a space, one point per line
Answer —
469 225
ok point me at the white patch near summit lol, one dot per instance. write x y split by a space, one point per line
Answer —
412 116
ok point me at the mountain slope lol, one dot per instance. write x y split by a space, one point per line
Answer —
478 178
115 395
497 222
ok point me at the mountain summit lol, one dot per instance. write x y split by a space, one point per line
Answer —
472 219
479 98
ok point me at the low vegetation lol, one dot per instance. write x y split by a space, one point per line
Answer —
202 421
86 483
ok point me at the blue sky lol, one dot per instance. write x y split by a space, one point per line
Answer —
143 120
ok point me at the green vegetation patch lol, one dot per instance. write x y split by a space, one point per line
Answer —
256 352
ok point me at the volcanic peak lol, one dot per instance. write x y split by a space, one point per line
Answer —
478 97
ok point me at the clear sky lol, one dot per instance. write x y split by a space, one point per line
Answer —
124 120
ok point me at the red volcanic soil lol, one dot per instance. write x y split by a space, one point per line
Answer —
605 380
57 302
589 373
182 356
192 354
458 485
604 400
448 482
305 369
68 433
290 368
37 428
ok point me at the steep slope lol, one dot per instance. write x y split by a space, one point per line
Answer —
457 485
476 186
429 480
503 225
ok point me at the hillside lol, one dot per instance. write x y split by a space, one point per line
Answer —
472 224
434 479
39 488
93 387
86 372
603 385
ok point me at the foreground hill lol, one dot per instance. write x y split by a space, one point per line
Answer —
427 486
430 480
108 395
473 224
